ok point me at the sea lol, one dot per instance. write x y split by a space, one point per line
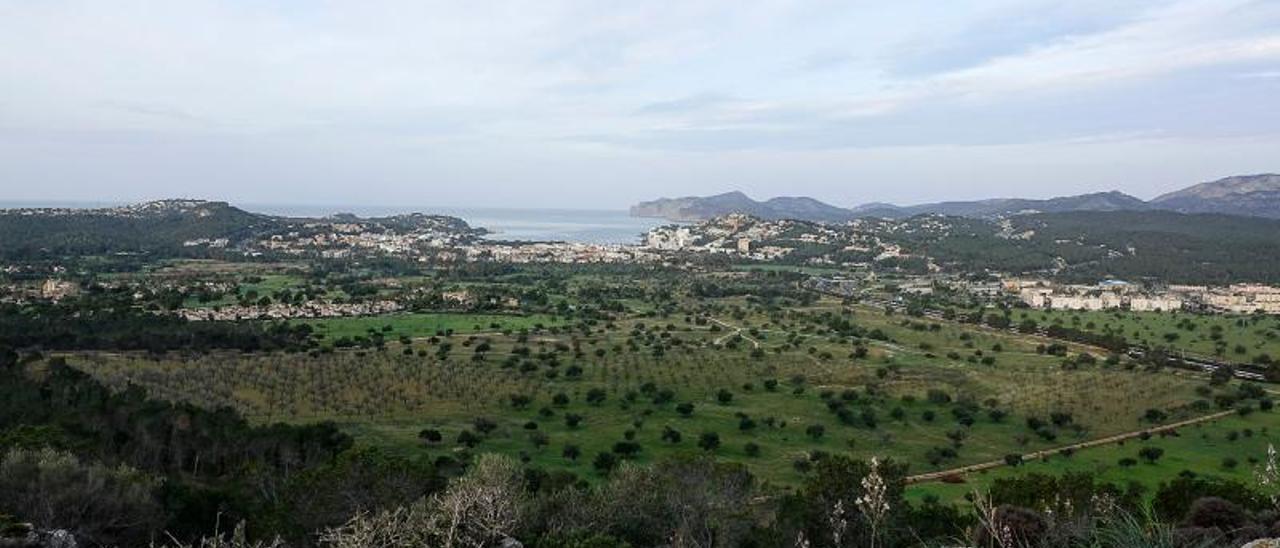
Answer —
561 225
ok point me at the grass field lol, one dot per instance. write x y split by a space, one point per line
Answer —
1228 448
790 381
266 285
810 270
1237 338
416 325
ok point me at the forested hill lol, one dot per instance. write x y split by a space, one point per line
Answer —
161 226
1201 248
1159 246
1088 245
169 228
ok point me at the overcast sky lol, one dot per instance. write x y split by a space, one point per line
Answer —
598 104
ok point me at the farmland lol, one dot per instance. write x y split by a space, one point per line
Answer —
1247 339
1231 448
418 325
772 385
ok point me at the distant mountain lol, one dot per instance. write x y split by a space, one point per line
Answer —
1248 195
691 209
694 208
1253 195
1004 207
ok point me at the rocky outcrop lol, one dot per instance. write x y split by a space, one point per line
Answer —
26 536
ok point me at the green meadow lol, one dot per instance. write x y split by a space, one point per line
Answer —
771 387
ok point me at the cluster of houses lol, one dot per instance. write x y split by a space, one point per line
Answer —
551 252
1239 298
340 240
735 234
1116 294
439 242
289 311
52 289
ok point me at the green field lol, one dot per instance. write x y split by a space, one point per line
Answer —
427 324
809 270
805 390
1228 448
1237 338
264 285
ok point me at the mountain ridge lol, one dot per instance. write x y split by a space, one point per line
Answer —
1248 195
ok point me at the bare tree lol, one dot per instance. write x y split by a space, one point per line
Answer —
479 509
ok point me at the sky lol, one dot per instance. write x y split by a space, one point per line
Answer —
600 104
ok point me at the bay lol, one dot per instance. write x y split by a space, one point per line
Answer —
595 226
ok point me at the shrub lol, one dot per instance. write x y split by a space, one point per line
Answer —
571 452
724 396
685 409
1151 454
572 420
605 462
709 441
97 504
1216 512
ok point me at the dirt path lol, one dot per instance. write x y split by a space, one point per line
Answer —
933 476
736 331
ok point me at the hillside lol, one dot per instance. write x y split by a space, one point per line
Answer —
149 227
693 208
181 228
1090 245
1256 195
1163 246
1003 207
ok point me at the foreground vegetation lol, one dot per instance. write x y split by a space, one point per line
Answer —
603 407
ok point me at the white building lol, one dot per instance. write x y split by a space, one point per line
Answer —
1152 304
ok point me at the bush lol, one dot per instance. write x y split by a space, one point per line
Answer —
724 396
1211 512
605 462
572 420
709 441
1151 454
99 505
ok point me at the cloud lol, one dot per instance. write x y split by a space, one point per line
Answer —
561 92
695 102
1102 67
1260 75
